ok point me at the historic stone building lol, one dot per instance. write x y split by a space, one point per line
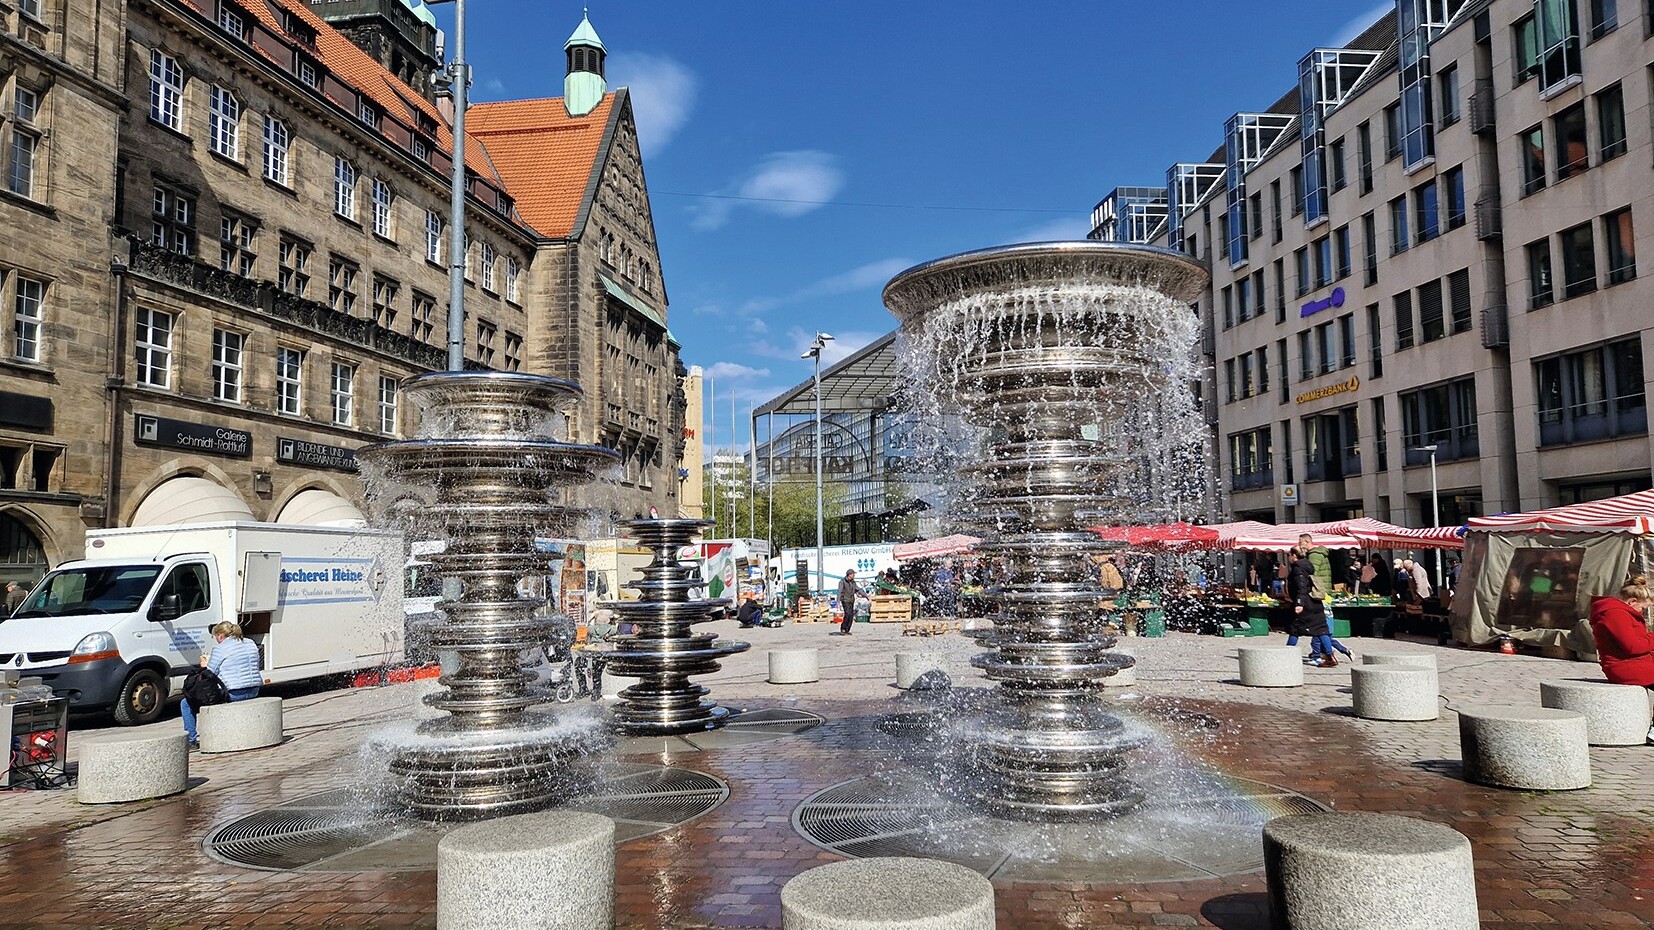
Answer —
224 246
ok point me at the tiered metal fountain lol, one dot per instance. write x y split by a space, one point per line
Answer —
666 652
489 474
1044 346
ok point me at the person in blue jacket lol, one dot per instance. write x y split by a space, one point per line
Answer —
236 662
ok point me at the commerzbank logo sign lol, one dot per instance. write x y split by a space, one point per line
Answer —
330 581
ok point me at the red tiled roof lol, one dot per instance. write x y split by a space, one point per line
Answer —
545 155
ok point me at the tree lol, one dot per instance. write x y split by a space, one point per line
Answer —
794 507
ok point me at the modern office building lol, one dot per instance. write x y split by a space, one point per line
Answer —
1426 253
223 245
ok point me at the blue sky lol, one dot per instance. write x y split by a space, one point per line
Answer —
922 128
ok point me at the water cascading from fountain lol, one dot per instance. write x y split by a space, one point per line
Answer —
666 651
1074 360
486 475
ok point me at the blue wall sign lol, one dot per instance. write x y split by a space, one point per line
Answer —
1336 299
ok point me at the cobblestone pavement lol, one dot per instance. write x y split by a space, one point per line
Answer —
1573 859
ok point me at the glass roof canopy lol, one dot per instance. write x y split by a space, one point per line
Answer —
865 380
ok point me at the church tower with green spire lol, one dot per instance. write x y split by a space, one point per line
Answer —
584 84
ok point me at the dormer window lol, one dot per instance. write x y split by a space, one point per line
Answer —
299 29
421 150
231 21
306 70
427 125
369 113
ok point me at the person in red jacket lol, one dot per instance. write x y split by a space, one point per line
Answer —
1625 647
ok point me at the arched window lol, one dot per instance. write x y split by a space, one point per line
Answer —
22 556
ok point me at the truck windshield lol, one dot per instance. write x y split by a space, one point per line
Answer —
79 591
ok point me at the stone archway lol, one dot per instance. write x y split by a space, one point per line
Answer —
23 556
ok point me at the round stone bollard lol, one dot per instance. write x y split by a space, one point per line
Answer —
1407 659
539 871
1271 666
1615 715
1534 748
910 665
251 724
894 893
1394 692
794 666
132 767
1357 871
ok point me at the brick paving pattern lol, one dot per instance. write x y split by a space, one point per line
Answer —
1574 859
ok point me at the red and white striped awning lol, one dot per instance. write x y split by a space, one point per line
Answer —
1631 514
934 548
1362 532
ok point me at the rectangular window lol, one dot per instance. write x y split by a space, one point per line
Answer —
369 113
1346 340
30 8
1275 210
172 221
1432 319
1611 122
343 394
1326 347
276 139
235 245
230 21
344 187
293 276
381 208
1558 42
25 104
1306 357
1620 241
1255 222
1443 416
1296 178
1229 380
341 285
27 316
1404 320
422 317
1246 376
1375 342
1228 307
1532 156
227 349
1301 257
1369 244
511 272
1280 290
1426 209
486 332
1399 240
1447 95
1594 394
384 301
306 70
487 266
1573 154
20 163
289 381
433 237
1458 300
1579 262
1323 261
1243 299
1453 191
387 405
1605 17
513 351
1335 166
153 341
1261 367
224 123
166 90
1525 48
1540 289
1381 440
1392 131
1364 158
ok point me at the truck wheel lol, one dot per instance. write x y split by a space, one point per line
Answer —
142 699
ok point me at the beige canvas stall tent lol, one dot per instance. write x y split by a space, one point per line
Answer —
1531 576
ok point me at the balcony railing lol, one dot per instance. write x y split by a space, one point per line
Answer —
1489 219
1251 481
1495 327
1482 118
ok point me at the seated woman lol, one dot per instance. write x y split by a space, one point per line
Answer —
1620 627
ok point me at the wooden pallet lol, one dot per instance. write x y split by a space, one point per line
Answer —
931 627
891 608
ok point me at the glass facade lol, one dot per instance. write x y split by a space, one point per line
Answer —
1130 214
1247 136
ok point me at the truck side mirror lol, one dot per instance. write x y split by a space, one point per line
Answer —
166 608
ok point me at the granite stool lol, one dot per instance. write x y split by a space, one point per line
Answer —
539 871
894 893
1615 715
1407 659
1271 666
910 665
1395 692
1535 748
251 724
794 666
133 767
1358 871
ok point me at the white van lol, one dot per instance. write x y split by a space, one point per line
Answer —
122 628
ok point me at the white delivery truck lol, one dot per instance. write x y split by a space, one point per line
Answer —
122 628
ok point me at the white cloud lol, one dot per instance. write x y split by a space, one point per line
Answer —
1061 230
1356 26
844 344
735 370
785 184
872 274
663 95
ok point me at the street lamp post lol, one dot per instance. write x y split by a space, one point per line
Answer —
819 343
458 79
1435 505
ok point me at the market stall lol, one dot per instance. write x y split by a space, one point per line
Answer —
1531 576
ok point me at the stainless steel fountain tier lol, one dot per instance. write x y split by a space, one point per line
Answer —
1046 344
666 652
487 475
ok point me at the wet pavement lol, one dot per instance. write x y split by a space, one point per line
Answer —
1573 859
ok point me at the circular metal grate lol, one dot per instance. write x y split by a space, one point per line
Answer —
742 729
335 832
1194 825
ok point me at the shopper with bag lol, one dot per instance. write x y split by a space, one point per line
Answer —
233 667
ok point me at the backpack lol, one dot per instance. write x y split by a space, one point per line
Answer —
1317 590
203 688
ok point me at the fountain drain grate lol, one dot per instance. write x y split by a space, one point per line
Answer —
332 832
1205 829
